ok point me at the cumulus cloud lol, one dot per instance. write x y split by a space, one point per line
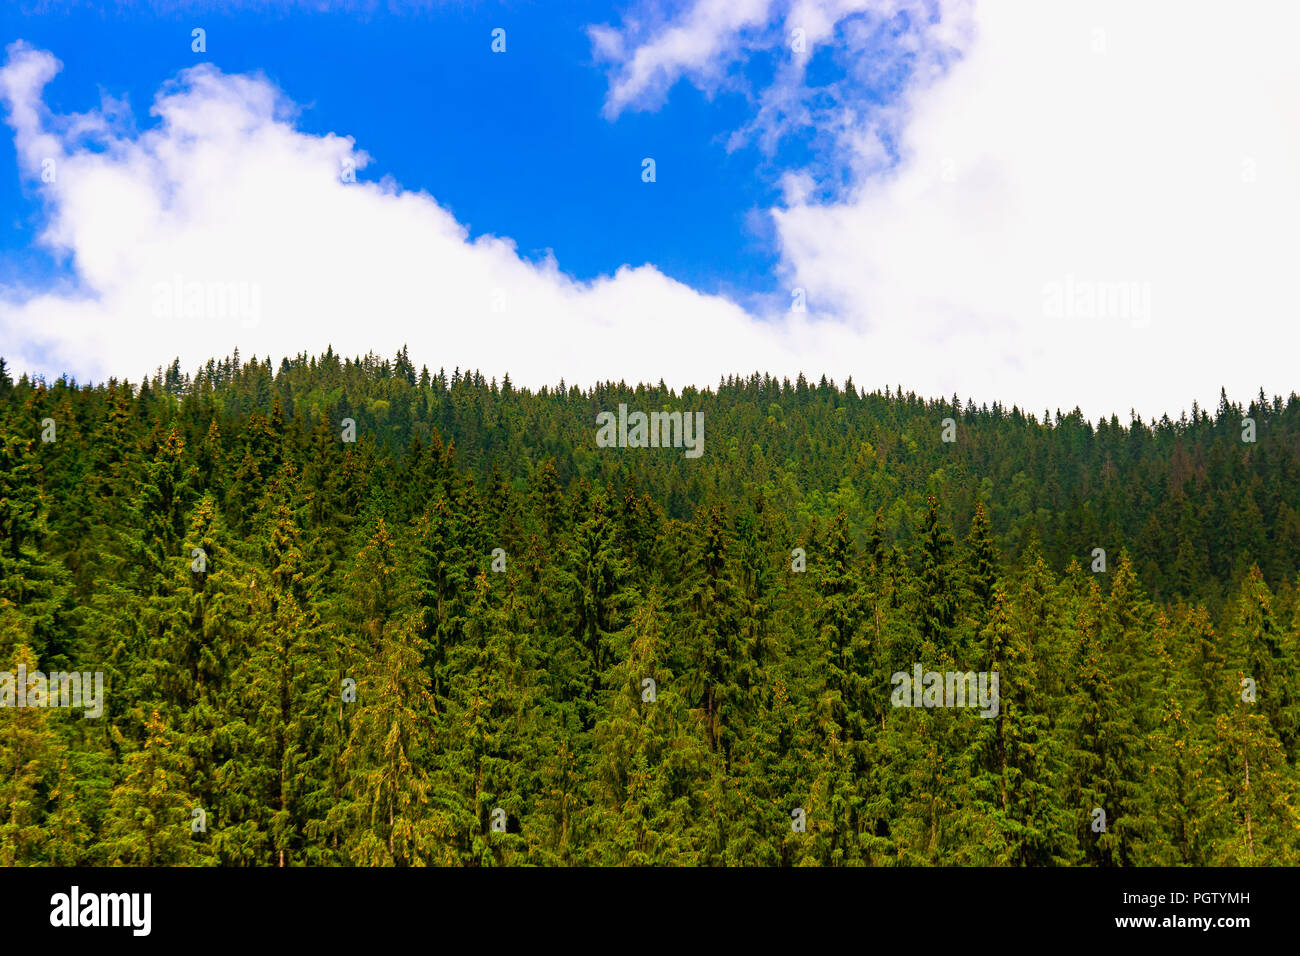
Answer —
224 226
847 119
1088 202
649 54
1097 204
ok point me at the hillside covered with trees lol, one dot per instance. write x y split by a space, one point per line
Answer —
471 636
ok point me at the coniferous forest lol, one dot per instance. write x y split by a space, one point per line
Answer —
352 612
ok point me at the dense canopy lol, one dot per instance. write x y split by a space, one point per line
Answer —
473 636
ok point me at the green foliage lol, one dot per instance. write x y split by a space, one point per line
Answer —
474 638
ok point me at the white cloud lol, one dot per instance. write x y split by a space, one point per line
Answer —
1077 148
225 197
1161 154
876 47
649 56
1155 144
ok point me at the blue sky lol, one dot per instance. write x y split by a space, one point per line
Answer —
1046 204
512 144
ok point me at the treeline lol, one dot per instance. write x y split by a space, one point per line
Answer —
472 637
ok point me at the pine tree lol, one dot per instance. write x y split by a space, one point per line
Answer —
30 582
151 819
1024 755
1269 658
30 752
287 686
1172 797
486 753
1252 810
387 754
982 560
937 587
600 593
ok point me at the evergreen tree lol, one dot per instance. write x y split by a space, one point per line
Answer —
152 817
387 754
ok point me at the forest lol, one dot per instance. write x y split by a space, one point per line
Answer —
352 613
